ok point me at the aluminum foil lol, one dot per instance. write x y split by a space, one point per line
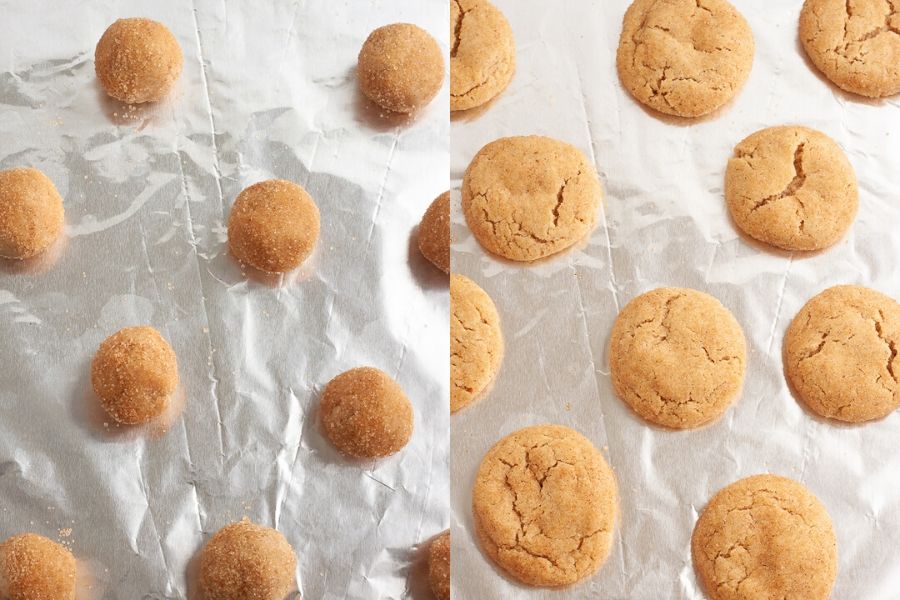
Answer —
268 90
665 223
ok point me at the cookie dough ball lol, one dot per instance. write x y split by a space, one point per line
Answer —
439 566
365 414
401 67
856 44
684 57
274 226
246 561
134 374
434 233
765 537
545 505
791 187
476 342
528 197
840 354
35 568
138 60
31 213
677 357
483 54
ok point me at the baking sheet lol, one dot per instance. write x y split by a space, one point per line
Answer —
665 224
268 90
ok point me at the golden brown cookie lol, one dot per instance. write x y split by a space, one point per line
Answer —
765 538
434 233
439 566
677 357
482 55
840 354
545 505
791 187
684 57
138 60
855 43
35 568
476 342
528 197
31 213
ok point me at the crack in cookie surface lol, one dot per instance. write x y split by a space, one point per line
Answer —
476 342
482 55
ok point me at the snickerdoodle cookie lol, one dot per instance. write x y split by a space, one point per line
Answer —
439 566
31 213
482 55
791 187
35 568
840 354
684 57
528 197
677 357
476 341
545 505
765 538
855 43
434 233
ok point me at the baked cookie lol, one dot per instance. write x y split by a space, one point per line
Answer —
31 213
35 568
545 505
677 357
684 57
855 43
439 566
434 233
482 55
528 197
840 354
476 341
765 538
791 187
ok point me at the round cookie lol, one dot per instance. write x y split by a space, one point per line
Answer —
482 55
439 566
31 213
840 354
545 505
765 537
365 413
476 341
528 197
434 233
791 187
684 57
400 67
35 568
855 43
677 357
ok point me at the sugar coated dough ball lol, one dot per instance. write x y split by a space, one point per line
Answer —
274 226
401 67
434 233
365 414
439 566
134 374
35 568
245 561
31 213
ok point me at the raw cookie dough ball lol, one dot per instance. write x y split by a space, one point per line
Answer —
401 67
138 60
365 413
855 43
840 354
677 357
35 568
439 566
483 55
434 233
765 537
684 57
476 342
545 505
134 374
245 561
273 226
791 187
31 213
528 197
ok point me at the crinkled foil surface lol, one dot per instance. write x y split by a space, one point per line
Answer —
665 223
268 90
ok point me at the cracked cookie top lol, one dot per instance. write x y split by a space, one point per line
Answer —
840 354
677 357
476 341
482 53
855 43
528 197
545 505
791 187
765 538
684 57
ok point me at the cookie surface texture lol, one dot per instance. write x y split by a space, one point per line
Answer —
476 341
482 53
